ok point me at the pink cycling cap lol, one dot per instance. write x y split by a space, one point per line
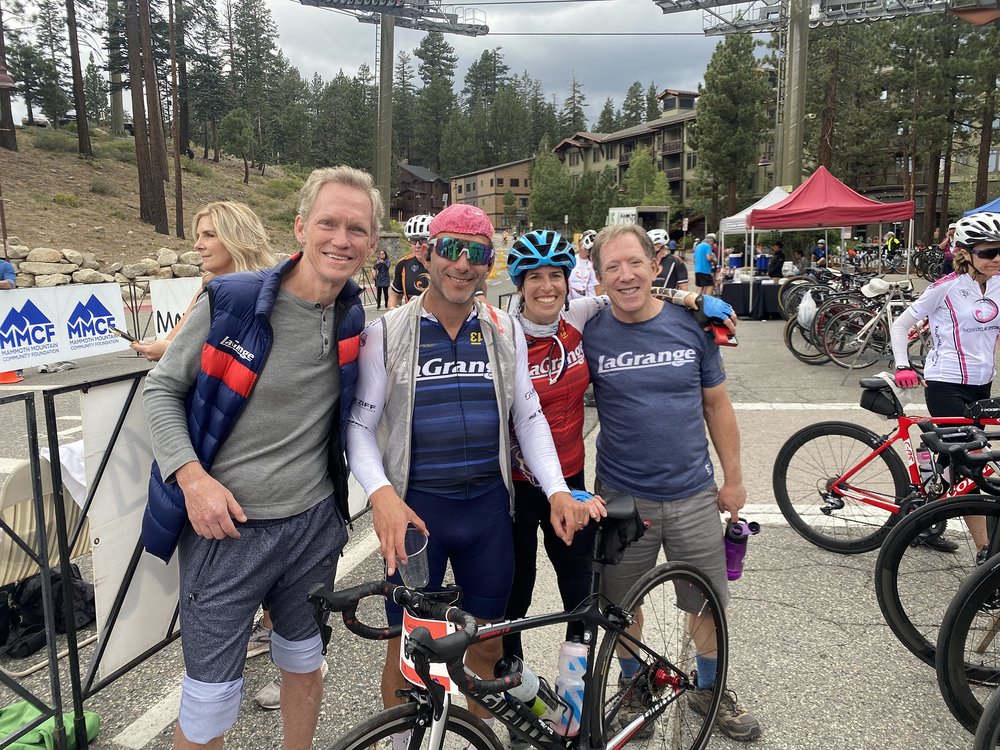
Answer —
460 218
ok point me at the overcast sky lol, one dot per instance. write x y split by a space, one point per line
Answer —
323 41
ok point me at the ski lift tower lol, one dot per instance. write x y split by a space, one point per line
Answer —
424 15
791 20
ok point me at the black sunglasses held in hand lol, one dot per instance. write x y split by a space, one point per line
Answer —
451 248
987 254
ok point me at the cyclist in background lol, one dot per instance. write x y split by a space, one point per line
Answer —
673 273
948 248
582 279
410 278
963 310
704 264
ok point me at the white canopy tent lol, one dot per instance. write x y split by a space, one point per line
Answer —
737 223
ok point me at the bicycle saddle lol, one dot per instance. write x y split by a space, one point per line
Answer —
619 505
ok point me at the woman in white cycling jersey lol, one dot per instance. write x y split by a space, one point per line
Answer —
963 310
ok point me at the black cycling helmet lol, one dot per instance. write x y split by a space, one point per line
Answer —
543 247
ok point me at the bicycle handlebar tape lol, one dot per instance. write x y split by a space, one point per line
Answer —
737 533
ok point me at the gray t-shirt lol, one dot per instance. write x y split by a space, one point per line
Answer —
275 459
647 381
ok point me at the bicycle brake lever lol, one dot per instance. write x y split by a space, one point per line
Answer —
435 690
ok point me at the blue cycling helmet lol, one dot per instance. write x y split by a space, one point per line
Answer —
543 247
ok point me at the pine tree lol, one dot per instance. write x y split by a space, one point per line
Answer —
26 64
435 100
236 138
607 121
96 89
551 192
633 107
572 118
254 58
639 180
49 20
731 114
404 98
653 110
484 79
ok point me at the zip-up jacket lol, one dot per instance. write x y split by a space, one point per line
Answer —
241 306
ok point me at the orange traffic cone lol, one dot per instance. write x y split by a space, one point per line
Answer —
6 378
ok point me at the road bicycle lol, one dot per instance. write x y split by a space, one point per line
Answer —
648 625
988 729
843 486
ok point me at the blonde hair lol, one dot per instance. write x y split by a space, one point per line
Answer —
342 175
614 232
240 230
960 260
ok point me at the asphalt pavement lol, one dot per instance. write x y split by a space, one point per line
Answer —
811 655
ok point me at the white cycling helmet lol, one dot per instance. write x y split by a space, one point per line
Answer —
658 236
587 239
418 227
978 228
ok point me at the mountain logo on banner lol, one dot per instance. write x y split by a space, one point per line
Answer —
27 327
89 324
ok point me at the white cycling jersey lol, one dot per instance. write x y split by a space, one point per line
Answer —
964 324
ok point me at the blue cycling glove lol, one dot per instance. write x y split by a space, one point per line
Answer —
714 307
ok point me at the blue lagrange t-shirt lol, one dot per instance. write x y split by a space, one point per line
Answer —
701 262
647 381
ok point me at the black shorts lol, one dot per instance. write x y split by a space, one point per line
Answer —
704 279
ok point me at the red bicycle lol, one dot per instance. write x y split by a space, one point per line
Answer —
843 487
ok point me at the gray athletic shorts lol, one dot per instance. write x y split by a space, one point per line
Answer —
688 530
223 581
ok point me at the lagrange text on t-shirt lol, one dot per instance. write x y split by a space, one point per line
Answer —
635 361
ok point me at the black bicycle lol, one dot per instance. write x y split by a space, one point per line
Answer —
671 614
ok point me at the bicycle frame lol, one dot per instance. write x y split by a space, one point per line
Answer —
964 486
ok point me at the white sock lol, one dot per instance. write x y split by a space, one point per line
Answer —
400 740
488 722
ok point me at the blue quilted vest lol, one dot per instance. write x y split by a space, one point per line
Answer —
241 308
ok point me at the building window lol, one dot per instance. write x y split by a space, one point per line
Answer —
574 159
627 148
993 163
515 182
499 181
458 189
574 180
692 160
526 182
611 151
491 182
482 183
597 155
687 102
670 102
470 186
523 202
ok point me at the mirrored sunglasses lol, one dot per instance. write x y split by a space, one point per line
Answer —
987 254
451 248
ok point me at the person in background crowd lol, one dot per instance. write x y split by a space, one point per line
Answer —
410 279
819 253
230 237
673 272
582 279
776 262
947 246
381 268
8 280
249 486
705 261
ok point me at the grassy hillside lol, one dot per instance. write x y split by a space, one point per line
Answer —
55 199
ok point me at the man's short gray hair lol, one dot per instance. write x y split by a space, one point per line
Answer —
342 175
614 232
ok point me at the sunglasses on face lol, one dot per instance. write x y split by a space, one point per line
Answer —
987 254
451 248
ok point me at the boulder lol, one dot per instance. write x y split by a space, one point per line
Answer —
134 270
191 258
152 266
114 267
17 251
28 266
89 276
45 255
25 280
166 257
73 256
164 273
185 270
121 278
51 279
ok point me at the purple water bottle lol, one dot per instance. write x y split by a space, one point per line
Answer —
737 533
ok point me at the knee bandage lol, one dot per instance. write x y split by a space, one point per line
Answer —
300 657
208 709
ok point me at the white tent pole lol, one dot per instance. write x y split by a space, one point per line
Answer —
909 249
753 276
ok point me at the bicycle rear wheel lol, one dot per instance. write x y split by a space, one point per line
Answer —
799 342
968 663
988 730
666 657
850 344
462 730
914 583
825 509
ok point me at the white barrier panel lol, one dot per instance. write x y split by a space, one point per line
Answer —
115 522
59 323
170 299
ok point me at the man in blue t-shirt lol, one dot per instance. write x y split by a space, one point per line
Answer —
652 363
819 253
704 264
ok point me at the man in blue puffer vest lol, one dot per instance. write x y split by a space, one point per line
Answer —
247 411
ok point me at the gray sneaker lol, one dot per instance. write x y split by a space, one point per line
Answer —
733 721
269 696
632 706
260 640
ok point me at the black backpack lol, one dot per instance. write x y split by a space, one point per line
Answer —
26 601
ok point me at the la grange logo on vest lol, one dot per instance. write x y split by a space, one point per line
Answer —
237 348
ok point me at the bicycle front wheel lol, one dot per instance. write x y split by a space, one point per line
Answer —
968 664
674 608
462 730
853 341
988 731
825 507
914 583
799 342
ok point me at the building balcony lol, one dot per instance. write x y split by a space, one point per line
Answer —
675 174
672 147
625 158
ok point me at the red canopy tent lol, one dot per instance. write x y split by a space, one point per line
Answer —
824 201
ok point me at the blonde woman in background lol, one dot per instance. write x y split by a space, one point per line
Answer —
230 237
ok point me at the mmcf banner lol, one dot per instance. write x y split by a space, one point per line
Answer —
171 298
59 323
